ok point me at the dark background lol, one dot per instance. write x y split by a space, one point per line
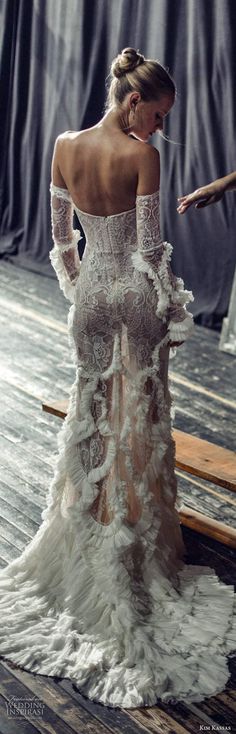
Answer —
55 56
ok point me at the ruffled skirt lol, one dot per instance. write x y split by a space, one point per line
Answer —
102 594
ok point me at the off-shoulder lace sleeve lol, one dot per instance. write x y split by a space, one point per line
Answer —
153 257
64 256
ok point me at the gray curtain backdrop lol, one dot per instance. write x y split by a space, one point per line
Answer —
55 56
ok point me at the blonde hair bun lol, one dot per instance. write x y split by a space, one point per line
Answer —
132 72
128 60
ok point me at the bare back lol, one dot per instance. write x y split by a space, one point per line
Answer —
101 169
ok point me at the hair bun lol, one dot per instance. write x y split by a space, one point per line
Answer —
126 61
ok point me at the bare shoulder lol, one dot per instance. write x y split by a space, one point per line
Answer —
67 135
58 143
71 139
148 170
61 144
66 146
57 157
148 155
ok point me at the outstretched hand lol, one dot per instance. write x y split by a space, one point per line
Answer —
202 197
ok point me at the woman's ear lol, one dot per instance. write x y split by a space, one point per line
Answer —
134 99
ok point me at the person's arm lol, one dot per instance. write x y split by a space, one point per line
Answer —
208 194
64 256
153 255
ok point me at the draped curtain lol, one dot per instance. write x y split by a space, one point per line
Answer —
55 57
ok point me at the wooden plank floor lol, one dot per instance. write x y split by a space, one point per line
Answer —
36 366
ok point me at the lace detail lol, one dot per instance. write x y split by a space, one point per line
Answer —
148 226
101 594
64 256
126 306
153 257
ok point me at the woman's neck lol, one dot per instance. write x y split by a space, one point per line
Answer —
116 119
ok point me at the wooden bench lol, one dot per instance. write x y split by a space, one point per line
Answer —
202 459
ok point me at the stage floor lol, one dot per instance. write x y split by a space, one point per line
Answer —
36 366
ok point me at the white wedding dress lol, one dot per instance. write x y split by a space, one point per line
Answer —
102 595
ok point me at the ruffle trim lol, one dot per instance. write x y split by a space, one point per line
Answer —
167 292
64 613
75 430
179 331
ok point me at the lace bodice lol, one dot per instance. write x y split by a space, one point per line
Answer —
119 245
112 234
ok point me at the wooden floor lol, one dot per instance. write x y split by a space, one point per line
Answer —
36 366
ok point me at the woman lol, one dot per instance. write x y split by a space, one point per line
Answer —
102 594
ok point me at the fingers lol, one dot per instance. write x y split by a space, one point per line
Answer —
201 197
194 196
182 208
189 199
186 203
